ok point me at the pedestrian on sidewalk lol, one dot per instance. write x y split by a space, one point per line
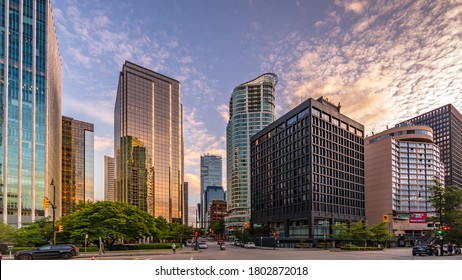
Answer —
174 248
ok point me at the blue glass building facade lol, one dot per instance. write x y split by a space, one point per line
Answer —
211 175
30 111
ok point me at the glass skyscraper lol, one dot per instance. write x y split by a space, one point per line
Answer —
251 108
109 178
211 175
30 111
78 163
148 140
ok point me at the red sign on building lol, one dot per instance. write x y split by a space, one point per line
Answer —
417 217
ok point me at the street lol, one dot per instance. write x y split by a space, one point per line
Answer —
237 253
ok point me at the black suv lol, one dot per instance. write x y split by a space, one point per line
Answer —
422 249
63 251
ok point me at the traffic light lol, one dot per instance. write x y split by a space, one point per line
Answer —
439 231
46 202
386 218
274 234
446 228
60 228
246 224
196 233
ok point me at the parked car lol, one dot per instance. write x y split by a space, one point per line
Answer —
58 251
202 245
249 245
422 249
457 250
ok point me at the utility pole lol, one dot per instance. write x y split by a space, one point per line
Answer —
53 206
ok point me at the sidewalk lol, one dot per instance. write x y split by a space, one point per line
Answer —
158 252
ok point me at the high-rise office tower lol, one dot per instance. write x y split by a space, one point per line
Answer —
401 166
211 175
210 194
251 108
148 140
77 163
446 123
308 172
30 115
109 178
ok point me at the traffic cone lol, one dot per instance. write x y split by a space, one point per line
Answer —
92 258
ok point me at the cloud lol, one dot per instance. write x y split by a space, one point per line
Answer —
223 111
355 6
104 143
80 58
198 140
93 109
393 61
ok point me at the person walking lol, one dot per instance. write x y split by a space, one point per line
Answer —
174 248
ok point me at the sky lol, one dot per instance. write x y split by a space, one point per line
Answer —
384 61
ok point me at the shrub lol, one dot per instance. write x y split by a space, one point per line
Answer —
144 246
359 248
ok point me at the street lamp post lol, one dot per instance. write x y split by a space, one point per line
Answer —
53 206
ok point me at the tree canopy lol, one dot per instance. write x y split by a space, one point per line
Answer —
111 221
359 231
447 202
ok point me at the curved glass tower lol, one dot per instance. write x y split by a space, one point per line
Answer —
30 111
251 108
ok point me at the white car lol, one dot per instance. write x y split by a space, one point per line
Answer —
202 245
249 245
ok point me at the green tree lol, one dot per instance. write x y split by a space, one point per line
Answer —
342 232
38 233
180 232
7 234
111 221
447 202
162 232
218 227
380 232
360 232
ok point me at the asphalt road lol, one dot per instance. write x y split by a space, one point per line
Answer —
213 252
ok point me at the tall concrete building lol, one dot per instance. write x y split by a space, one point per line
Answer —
211 175
78 163
30 115
251 108
446 123
307 173
217 211
148 140
402 164
109 179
